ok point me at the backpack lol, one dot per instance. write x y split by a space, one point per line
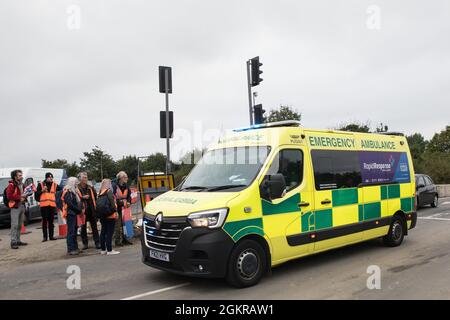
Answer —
59 200
5 197
103 208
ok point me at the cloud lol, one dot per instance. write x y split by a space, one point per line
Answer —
63 91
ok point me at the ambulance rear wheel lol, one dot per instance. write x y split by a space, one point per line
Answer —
396 233
247 264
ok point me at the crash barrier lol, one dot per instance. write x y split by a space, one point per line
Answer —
127 220
443 190
62 225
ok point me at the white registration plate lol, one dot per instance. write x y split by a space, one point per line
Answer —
163 256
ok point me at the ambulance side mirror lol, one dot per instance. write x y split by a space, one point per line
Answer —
273 186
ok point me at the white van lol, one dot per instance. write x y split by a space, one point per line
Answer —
30 175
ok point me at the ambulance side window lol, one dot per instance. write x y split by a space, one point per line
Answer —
336 169
288 162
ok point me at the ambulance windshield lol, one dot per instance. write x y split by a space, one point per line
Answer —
227 169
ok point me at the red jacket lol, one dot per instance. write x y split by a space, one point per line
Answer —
14 195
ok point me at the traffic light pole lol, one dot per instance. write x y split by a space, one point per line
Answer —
249 85
166 76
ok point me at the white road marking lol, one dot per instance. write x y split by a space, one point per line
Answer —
446 202
433 218
156 291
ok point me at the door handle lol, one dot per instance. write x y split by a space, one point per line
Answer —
326 201
303 204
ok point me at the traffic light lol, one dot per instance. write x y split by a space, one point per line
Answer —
259 111
162 124
256 72
162 79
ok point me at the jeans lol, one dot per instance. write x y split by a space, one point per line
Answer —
48 216
72 243
106 234
17 217
90 217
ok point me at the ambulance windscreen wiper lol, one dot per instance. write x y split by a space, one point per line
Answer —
227 186
193 188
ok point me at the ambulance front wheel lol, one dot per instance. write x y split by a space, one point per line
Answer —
396 233
247 264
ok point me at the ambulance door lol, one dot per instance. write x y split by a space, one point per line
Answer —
282 217
336 201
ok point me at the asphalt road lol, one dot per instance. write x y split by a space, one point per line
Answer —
418 269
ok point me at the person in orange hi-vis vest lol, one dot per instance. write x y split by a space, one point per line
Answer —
123 199
89 197
46 196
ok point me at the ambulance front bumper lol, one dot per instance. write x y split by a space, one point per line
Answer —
198 252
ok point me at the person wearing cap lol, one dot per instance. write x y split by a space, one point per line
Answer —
46 196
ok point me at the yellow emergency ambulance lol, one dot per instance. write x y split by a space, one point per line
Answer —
274 192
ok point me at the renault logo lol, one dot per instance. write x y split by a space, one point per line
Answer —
158 220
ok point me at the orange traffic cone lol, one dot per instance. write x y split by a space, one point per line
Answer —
23 230
62 226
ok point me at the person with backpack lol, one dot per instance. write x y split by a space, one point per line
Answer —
15 198
46 196
73 210
107 213
123 199
89 197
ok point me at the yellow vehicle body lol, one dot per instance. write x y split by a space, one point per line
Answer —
308 219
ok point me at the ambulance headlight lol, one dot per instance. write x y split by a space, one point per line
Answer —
210 219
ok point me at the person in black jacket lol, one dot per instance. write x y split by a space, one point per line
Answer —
48 191
74 207
88 197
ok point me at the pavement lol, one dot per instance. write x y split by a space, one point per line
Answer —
418 269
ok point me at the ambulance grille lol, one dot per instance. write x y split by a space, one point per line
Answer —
166 237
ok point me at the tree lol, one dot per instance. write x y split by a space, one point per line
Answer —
382 128
417 145
283 113
437 166
440 142
155 162
354 127
98 164
72 169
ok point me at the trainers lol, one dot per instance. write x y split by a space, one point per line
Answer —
44 240
103 252
20 243
14 246
74 253
112 252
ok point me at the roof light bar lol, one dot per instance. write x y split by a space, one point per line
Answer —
285 123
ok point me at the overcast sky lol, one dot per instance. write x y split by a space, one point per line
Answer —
70 82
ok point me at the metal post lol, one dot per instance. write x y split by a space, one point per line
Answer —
166 79
250 105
